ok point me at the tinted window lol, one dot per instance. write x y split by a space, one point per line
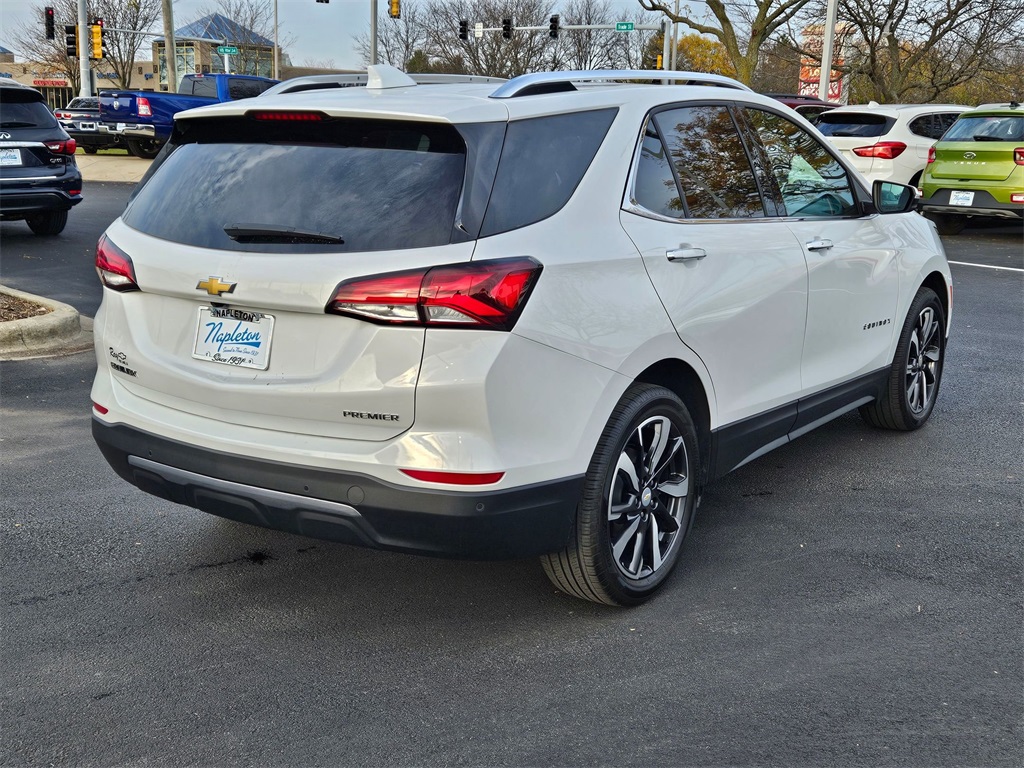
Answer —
987 128
244 89
930 126
83 102
542 162
204 86
711 163
655 188
809 178
377 184
854 124
24 108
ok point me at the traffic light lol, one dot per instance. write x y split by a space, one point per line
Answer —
99 45
395 9
48 17
463 30
553 26
71 39
506 28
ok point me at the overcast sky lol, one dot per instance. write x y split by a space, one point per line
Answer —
318 32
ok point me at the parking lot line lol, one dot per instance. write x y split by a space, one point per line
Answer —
986 266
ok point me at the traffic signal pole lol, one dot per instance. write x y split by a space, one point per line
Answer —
84 67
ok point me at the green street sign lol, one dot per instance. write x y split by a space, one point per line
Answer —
624 26
232 50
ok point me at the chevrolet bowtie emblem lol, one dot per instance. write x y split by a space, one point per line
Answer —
215 287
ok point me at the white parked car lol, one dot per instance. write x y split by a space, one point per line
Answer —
492 321
888 141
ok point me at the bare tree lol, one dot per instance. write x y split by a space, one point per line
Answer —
914 50
743 28
123 47
252 19
585 48
398 40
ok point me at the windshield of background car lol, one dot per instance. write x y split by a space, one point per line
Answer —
854 124
375 184
987 128
24 108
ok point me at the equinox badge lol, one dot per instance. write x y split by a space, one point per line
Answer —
214 286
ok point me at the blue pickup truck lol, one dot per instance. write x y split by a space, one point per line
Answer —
143 119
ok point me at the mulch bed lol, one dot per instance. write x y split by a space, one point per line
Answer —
13 308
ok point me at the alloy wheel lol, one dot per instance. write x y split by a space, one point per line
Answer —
647 498
924 357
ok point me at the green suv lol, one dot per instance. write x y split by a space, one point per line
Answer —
977 169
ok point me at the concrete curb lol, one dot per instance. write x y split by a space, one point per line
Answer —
61 331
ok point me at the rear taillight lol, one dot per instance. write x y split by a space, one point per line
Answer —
114 267
62 147
61 115
931 155
884 150
480 294
142 105
1018 155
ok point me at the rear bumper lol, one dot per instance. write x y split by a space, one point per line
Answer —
130 130
344 506
984 204
18 201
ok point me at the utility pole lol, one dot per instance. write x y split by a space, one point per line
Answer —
373 31
828 36
170 47
84 67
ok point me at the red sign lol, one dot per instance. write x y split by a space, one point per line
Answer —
55 83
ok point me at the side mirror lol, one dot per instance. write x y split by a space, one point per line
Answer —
890 197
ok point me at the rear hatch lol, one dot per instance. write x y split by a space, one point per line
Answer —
33 147
848 131
243 233
979 148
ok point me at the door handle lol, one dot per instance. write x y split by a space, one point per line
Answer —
819 245
686 253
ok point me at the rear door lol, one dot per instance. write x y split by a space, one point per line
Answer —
266 219
730 274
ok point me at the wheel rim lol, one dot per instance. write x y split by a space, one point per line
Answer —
647 498
924 361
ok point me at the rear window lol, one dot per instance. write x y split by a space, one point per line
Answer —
987 128
83 102
24 108
375 184
854 124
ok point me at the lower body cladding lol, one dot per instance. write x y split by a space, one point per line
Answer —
979 203
346 507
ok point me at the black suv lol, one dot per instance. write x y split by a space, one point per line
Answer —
39 180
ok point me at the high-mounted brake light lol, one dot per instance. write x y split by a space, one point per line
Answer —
1018 155
884 150
480 294
114 267
285 115
142 105
931 154
62 147
454 478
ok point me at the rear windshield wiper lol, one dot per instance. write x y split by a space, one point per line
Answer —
17 124
273 233
983 137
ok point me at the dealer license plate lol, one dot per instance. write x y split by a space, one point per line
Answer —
234 337
10 157
961 198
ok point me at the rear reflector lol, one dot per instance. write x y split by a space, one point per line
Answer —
114 267
289 115
454 478
100 409
480 294
884 150
1017 197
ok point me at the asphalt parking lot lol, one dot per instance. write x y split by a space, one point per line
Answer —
851 599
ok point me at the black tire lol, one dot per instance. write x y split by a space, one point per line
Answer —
90 150
631 522
144 148
50 223
948 223
916 371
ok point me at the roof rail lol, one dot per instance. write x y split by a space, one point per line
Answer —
546 82
353 79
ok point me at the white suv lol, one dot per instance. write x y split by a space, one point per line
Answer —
888 141
491 321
